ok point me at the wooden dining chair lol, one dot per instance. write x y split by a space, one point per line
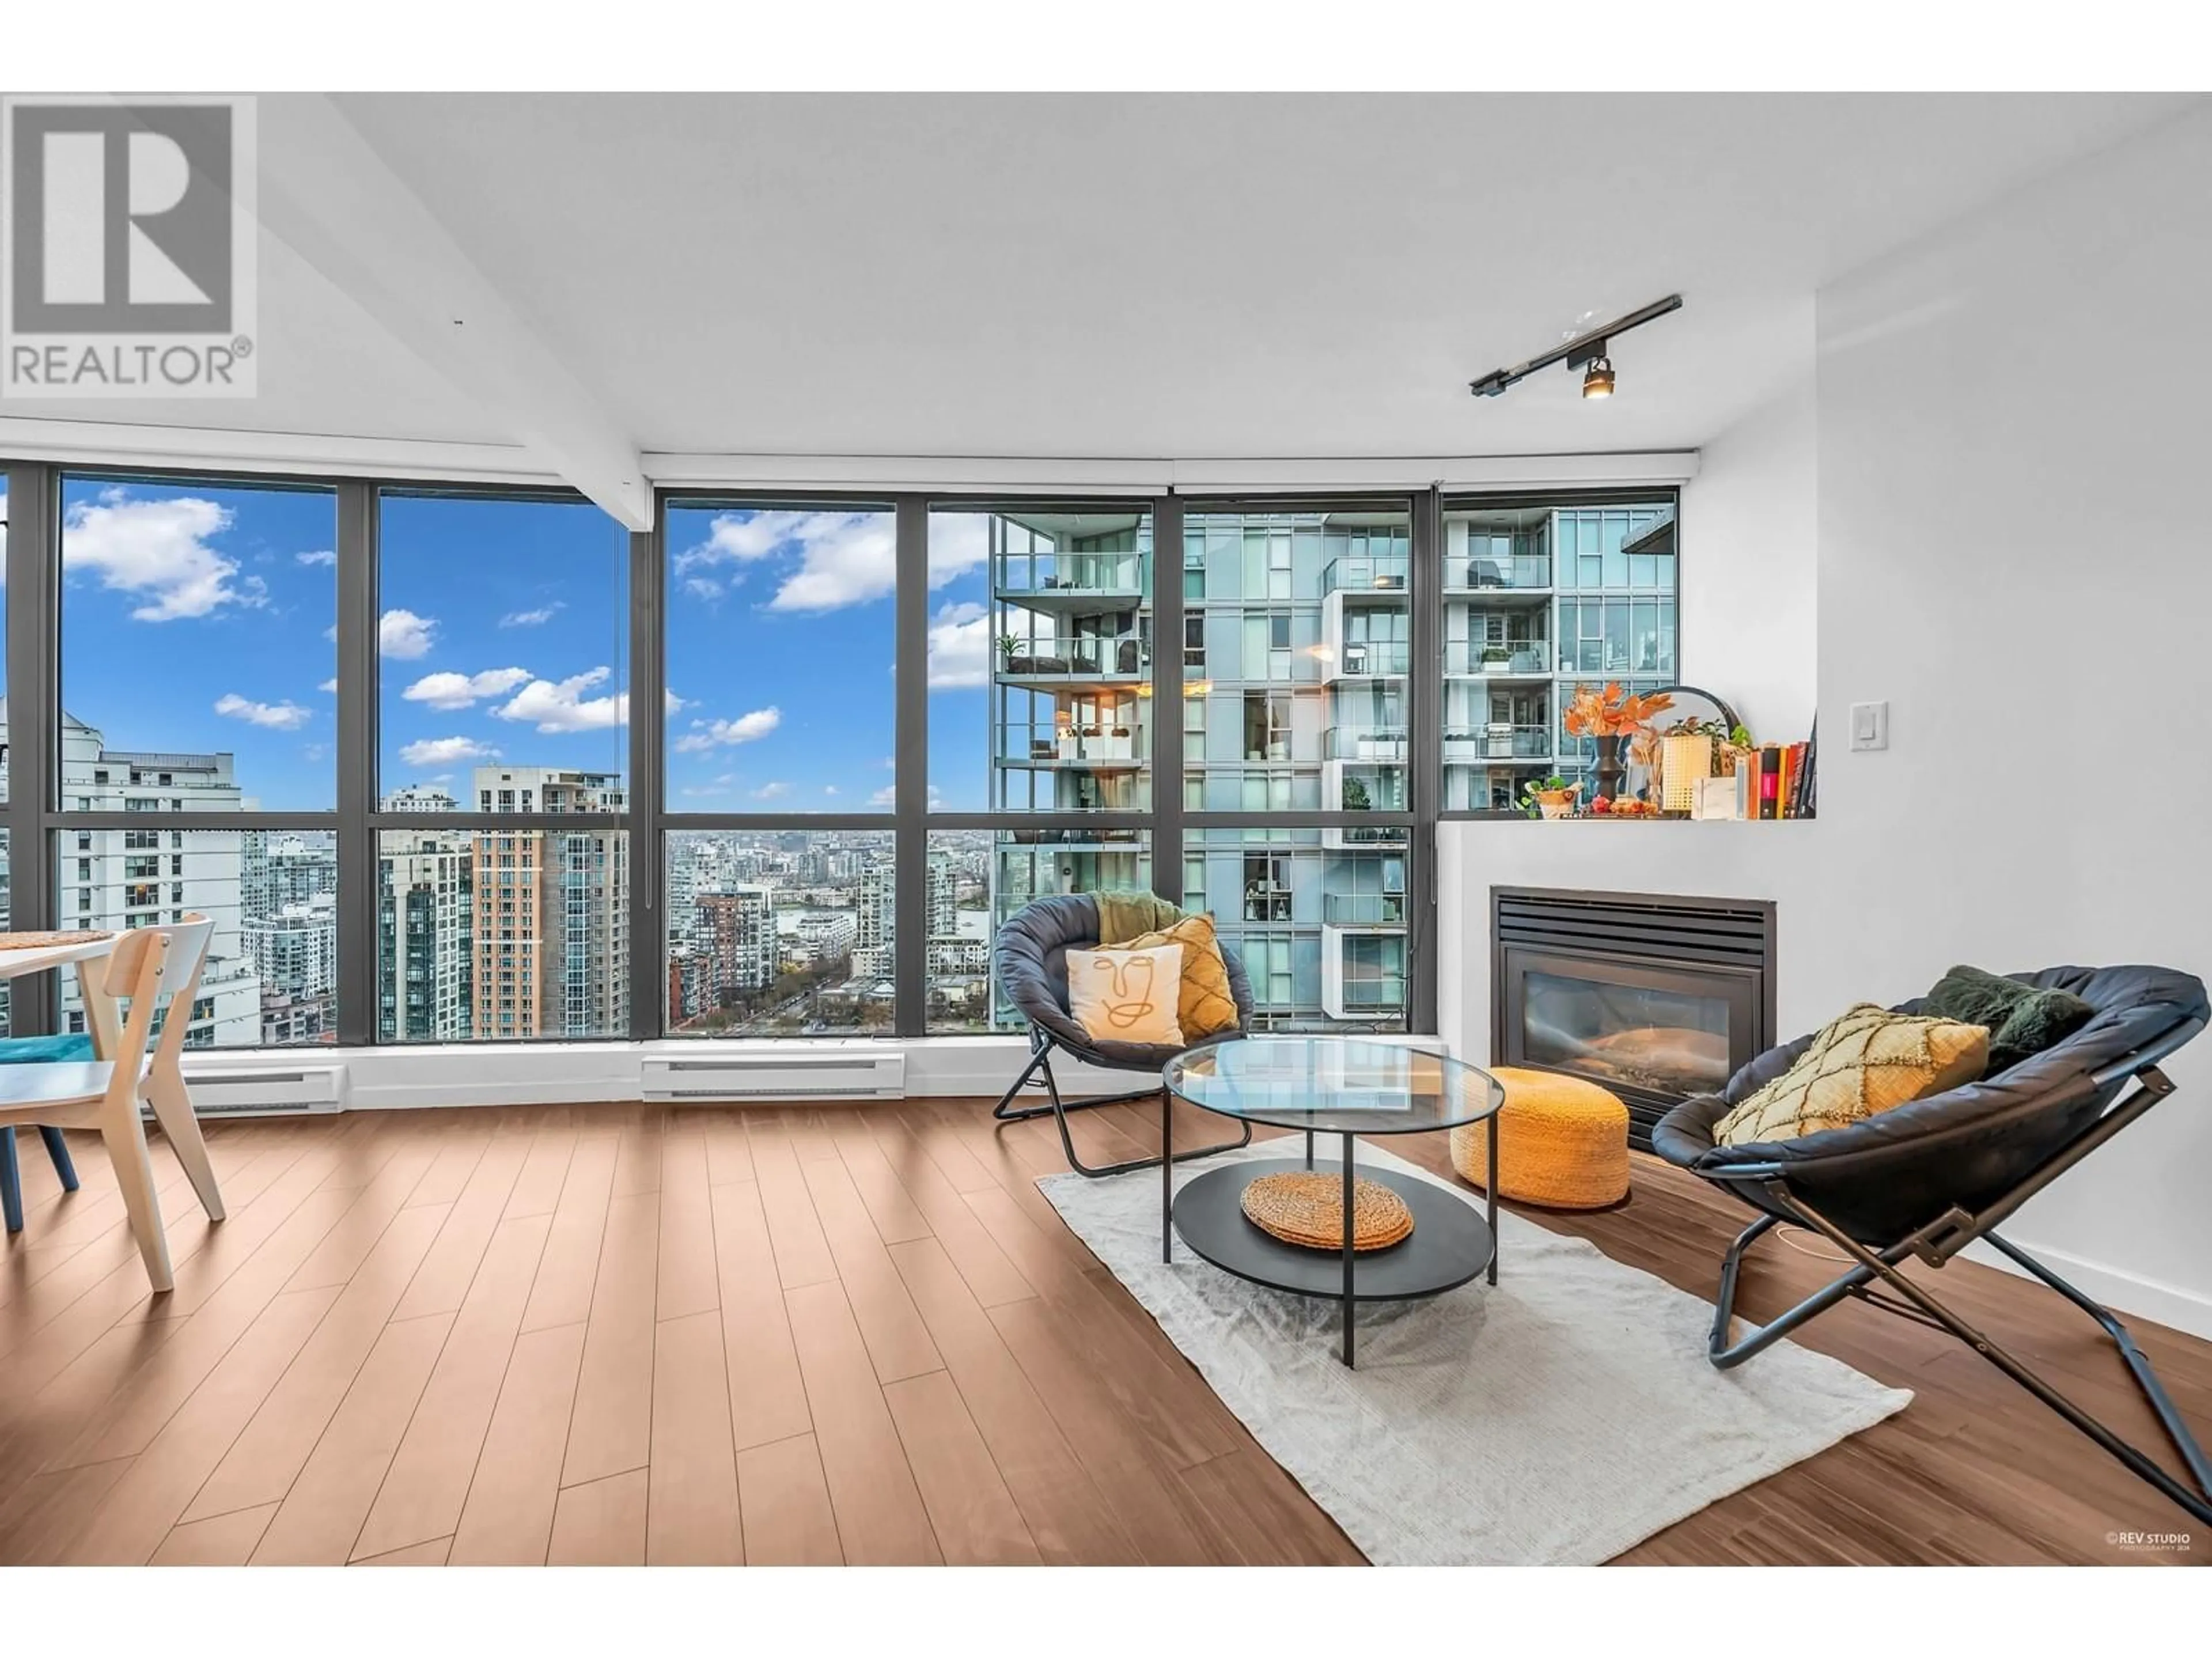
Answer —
152 968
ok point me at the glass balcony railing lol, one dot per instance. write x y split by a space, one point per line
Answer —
1496 570
1464 744
1512 657
1363 909
1383 745
1068 745
1386 573
1380 835
1124 656
1374 996
1375 656
1074 573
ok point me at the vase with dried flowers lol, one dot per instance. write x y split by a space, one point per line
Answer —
1610 716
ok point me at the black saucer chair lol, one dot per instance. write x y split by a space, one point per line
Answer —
1928 1179
1029 961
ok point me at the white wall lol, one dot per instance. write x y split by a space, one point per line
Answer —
2014 553
1749 566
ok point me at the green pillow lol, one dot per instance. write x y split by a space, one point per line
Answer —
2022 1020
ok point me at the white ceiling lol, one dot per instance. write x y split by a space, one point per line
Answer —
1171 276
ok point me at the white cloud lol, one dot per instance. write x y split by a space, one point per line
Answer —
328 687
451 690
704 789
445 751
716 734
536 618
842 558
277 716
742 538
562 706
404 635
829 788
772 792
960 646
959 542
888 796
325 557
157 550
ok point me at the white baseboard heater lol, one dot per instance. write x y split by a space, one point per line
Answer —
768 1076
255 1093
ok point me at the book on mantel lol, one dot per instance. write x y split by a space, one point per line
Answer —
1785 780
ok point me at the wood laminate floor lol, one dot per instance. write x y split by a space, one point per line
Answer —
846 1333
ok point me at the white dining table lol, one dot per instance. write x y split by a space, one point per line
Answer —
100 1020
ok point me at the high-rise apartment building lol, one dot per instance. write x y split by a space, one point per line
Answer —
1296 656
141 877
550 909
735 935
425 955
875 926
277 871
293 950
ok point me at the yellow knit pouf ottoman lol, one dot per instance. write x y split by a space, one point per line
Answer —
1563 1142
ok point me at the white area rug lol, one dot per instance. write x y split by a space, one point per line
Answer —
1557 1418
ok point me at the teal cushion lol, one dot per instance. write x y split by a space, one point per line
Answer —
36 1050
2022 1020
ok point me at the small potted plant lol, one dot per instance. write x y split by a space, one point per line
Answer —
1124 743
1496 659
1549 798
1355 797
1017 660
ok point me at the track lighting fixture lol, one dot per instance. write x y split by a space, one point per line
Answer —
1587 349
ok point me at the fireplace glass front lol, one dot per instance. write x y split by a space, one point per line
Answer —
1670 1042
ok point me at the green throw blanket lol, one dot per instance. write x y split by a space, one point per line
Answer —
1123 916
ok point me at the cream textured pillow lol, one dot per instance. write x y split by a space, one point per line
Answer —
1126 996
1865 1062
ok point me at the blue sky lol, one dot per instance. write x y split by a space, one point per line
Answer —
199 618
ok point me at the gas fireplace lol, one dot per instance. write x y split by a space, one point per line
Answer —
1658 997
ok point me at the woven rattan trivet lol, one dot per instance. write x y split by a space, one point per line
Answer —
1304 1208
43 941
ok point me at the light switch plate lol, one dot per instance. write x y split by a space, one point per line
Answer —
1869 726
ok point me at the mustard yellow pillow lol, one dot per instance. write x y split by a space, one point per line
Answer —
1206 1006
1867 1061
1126 996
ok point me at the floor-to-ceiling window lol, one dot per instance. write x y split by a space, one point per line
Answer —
779 876
194 739
1296 711
1041 736
383 735
501 652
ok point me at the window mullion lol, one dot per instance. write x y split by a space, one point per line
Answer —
910 879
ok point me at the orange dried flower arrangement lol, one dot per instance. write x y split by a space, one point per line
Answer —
1612 713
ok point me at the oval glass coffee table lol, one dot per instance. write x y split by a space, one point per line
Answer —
1344 1087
